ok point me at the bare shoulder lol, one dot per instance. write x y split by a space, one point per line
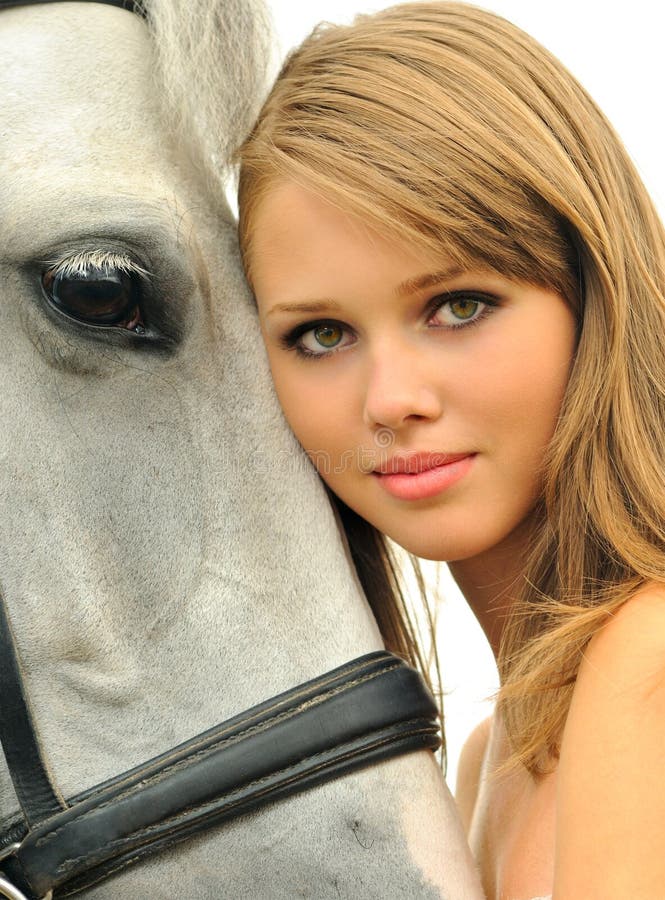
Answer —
622 674
469 770
611 801
628 653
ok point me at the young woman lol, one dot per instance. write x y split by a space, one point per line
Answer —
461 284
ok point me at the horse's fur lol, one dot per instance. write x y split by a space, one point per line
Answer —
211 60
167 556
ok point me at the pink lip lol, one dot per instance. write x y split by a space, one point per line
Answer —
422 475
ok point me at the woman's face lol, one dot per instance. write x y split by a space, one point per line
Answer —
425 396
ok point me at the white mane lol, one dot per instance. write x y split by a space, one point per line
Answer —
213 59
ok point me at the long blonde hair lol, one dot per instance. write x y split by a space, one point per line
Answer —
446 126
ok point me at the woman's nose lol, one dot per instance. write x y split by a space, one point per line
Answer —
400 390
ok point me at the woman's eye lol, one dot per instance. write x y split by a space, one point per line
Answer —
464 309
97 295
322 338
458 311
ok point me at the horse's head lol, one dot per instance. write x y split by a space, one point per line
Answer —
167 555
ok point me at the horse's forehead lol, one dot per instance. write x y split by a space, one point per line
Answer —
77 91
83 143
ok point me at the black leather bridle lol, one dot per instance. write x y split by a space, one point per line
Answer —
370 709
135 6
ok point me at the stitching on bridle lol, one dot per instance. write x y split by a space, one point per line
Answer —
180 764
142 834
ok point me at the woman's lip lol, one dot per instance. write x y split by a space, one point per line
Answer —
415 463
426 482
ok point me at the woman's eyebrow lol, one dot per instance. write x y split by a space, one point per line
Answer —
421 282
307 306
410 286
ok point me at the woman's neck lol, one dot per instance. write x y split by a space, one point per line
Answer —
490 581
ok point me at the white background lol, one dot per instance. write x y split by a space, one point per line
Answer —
616 51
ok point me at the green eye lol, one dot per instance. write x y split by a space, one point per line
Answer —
320 339
464 308
328 336
457 309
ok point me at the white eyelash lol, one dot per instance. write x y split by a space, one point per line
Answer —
80 262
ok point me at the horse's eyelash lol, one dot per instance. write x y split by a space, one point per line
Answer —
79 263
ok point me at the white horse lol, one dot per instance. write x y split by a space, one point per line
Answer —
166 556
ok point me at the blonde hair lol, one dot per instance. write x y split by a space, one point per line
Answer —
446 126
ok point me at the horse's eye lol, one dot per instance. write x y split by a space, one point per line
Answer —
99 295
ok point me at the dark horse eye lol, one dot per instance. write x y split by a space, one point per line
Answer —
99 295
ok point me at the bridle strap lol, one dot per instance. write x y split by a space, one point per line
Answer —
32 784
135 6
370 709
